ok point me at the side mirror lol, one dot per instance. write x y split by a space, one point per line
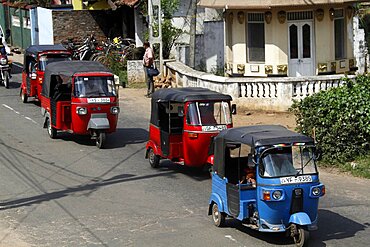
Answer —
233 109
33 76
180 111
317 154
251 161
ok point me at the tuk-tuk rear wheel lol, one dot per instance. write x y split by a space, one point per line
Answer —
100 140
153 159
51 130
301 238
217 216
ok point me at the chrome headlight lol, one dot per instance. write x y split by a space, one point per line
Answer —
316 191
114 109
81 110
3 61
277 195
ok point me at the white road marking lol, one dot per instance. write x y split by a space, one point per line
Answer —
231 238
33 121
6 106
28 118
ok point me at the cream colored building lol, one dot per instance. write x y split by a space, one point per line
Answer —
287 37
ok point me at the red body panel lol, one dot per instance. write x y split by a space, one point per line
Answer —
80 122
193 149
67 118
36 84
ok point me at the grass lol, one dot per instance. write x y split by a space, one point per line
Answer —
359 168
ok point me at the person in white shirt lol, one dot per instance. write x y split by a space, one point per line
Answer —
148 61
4 48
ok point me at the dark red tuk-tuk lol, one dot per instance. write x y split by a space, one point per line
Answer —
36 57
183 123
79 97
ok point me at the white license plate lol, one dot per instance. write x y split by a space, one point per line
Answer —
296 180
213 128
98 100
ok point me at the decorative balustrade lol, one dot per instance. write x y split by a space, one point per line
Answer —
271 93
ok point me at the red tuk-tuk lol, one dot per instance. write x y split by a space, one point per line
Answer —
79 97
36 57
183 123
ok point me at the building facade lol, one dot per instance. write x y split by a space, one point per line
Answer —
287 38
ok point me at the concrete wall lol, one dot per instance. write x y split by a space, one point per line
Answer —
214 45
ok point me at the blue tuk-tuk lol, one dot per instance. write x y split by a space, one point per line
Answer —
266 177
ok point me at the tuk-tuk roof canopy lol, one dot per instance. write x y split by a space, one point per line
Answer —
35 49
254 136
70 68
188 94
263 135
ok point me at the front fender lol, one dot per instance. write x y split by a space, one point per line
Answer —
215 198
300 219
98 123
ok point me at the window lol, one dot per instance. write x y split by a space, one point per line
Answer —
94 86
339 33
209 113
256 37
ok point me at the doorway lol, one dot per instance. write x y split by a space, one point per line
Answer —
301 62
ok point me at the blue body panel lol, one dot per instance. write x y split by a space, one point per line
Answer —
274 216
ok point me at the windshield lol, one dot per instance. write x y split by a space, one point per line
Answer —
209 113
50 58
288 161
94 86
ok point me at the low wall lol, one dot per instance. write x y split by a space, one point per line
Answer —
269 94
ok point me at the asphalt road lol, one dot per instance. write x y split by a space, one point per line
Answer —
66 192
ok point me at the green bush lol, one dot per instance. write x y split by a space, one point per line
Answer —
340 119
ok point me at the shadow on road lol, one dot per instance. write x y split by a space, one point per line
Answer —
334 226
197 174
85 189
118 139
330 226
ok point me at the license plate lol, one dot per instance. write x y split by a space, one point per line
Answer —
296 180
98 100
213 128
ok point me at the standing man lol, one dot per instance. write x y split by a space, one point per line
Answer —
148 61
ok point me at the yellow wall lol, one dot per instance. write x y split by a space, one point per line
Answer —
100 5
276 42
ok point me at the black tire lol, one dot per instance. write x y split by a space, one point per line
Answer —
51 130
6 79
100 140
24 97
301 239
153 159
217 216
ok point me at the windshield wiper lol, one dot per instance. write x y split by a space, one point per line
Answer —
300 170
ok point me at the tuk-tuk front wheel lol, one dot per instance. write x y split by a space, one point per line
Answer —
51 130
300 236
6 79
100 140
24 96
153 158
217 216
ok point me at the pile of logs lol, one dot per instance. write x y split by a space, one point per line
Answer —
163 82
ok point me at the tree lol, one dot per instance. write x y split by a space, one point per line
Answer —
169 32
